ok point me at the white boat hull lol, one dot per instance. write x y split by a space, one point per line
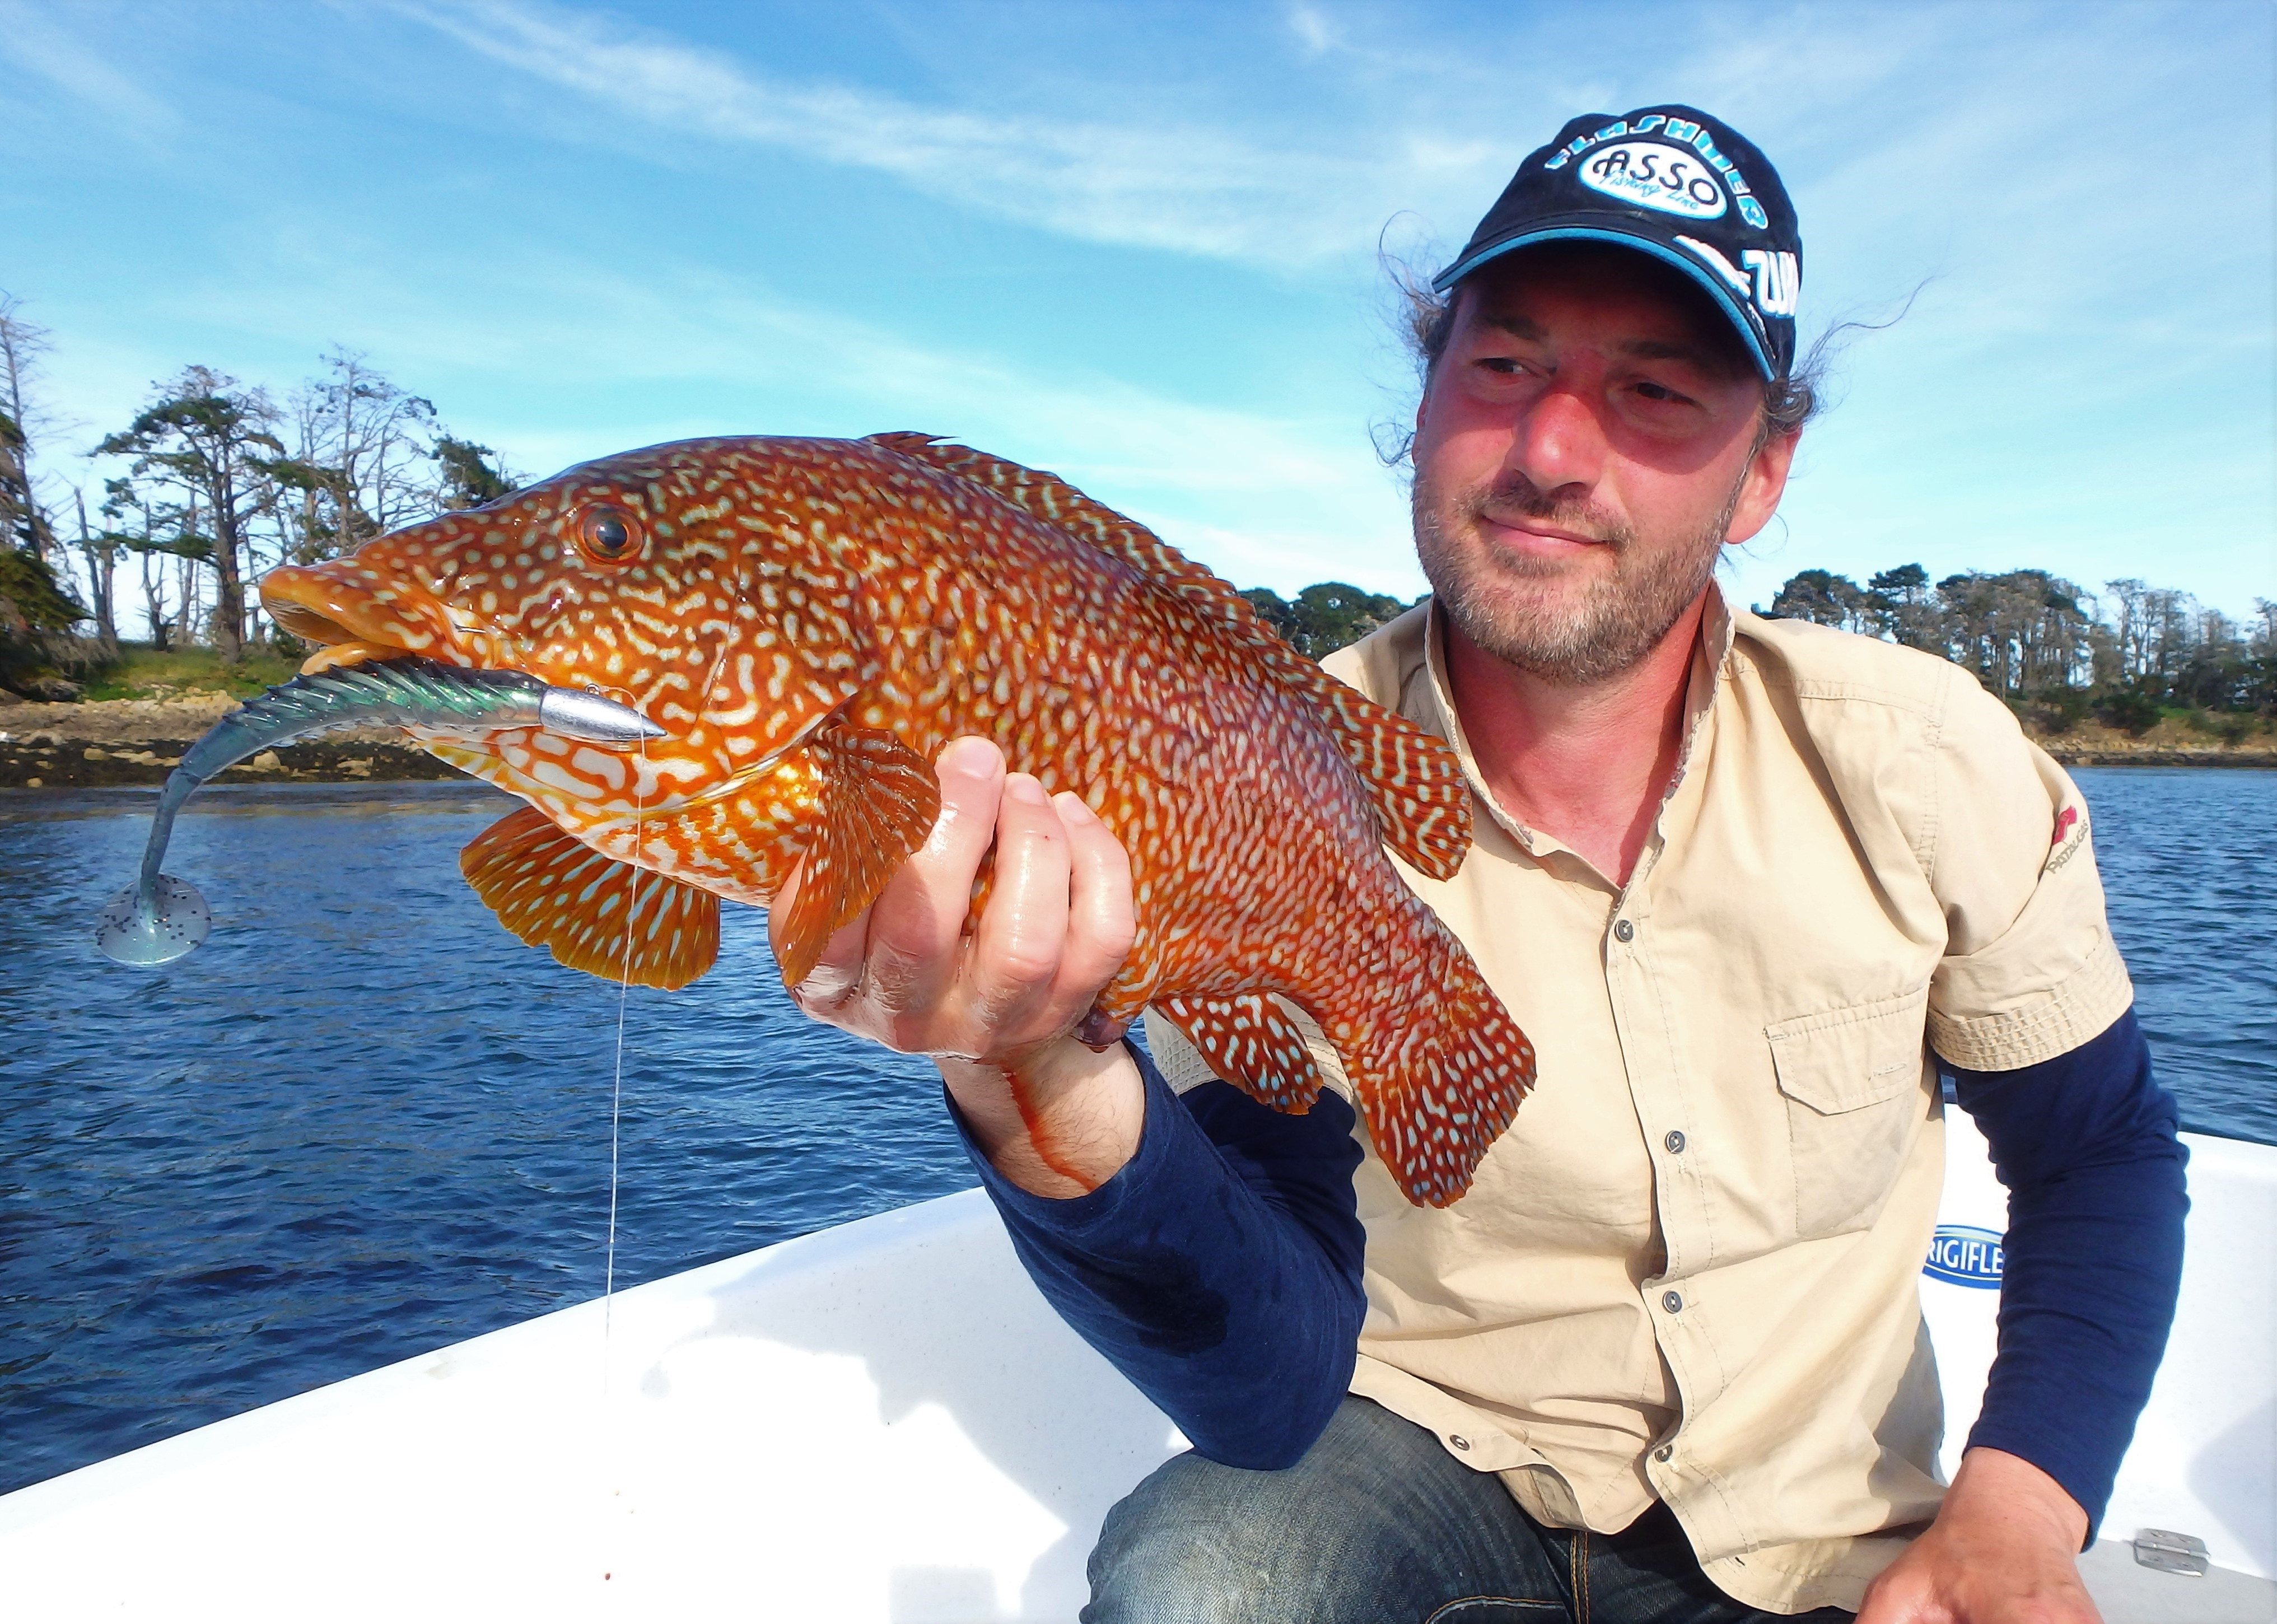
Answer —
885 1422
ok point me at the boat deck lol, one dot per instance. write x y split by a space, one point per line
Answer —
885 1422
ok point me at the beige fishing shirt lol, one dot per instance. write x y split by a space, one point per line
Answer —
1689 1270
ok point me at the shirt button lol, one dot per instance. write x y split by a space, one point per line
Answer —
1624 932
1663 1452
1673 1302
1674 1142
1459 1441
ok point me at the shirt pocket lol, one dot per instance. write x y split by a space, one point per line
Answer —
1852 1079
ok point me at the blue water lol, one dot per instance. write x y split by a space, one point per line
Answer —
2188 858
363 1122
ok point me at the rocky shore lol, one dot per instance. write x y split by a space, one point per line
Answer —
112 742
2259 755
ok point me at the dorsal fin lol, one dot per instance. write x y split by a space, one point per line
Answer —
1423 806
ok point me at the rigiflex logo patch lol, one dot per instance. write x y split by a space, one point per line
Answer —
1654 175
1963 1255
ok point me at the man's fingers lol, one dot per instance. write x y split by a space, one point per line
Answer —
841 968
1015 952
918 920
1102 920
1058 923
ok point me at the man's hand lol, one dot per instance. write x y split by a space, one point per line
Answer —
996 1009
2004 1549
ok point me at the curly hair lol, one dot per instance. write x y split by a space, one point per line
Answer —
1428 322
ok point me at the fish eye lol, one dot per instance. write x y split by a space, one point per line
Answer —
608 535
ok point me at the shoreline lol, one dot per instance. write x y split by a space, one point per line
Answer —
2247 758
106 743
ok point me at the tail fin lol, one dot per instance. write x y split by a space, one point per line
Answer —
1439 1068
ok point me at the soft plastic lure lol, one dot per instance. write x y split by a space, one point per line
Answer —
159 918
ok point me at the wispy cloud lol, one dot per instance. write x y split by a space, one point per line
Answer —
1188 188
681 351
36 45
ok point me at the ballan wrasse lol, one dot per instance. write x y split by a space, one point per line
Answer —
810 620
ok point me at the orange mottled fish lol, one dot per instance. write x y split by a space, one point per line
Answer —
810 620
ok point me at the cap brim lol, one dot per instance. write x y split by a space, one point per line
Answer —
1717 288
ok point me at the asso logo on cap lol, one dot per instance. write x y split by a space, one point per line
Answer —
1694 192
1654 175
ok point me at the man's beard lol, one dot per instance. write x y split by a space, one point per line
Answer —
1621 613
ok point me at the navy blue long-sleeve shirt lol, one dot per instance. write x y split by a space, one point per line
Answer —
1219 1268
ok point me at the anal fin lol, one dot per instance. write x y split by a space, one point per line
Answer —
553 891
879 801
1251 1043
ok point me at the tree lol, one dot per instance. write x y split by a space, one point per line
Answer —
1325 616
101 551
1824 598
202 438
2021 631
2211 673
468 479
1901 606
154 534
32 601
355 469
22 519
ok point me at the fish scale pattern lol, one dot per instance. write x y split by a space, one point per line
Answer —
1423 804
812 621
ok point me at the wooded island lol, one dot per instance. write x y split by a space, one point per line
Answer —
126 625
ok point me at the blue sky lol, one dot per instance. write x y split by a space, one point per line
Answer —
1139 244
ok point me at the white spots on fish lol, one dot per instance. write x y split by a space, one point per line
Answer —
599 766
554 775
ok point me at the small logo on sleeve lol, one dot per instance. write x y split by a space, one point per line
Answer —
1960 1255
2065 844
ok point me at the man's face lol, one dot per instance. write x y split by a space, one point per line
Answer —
1582 451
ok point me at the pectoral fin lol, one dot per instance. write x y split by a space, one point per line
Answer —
879 801
554 891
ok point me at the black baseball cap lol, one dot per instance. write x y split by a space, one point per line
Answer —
1674 183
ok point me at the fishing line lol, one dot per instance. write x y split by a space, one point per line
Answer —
616 1118
617 1081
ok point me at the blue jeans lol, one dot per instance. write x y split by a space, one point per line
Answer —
1378 1524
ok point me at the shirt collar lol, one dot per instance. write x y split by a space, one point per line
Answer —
1710 664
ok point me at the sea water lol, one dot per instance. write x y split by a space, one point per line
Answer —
363 1122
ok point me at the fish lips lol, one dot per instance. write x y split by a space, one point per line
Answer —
340 603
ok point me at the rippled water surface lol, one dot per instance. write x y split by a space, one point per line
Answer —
2189 858
363 1122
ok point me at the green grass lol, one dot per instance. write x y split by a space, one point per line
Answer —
144 673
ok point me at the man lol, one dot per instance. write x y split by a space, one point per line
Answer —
1737 879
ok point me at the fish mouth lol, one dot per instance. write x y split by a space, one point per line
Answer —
355 616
